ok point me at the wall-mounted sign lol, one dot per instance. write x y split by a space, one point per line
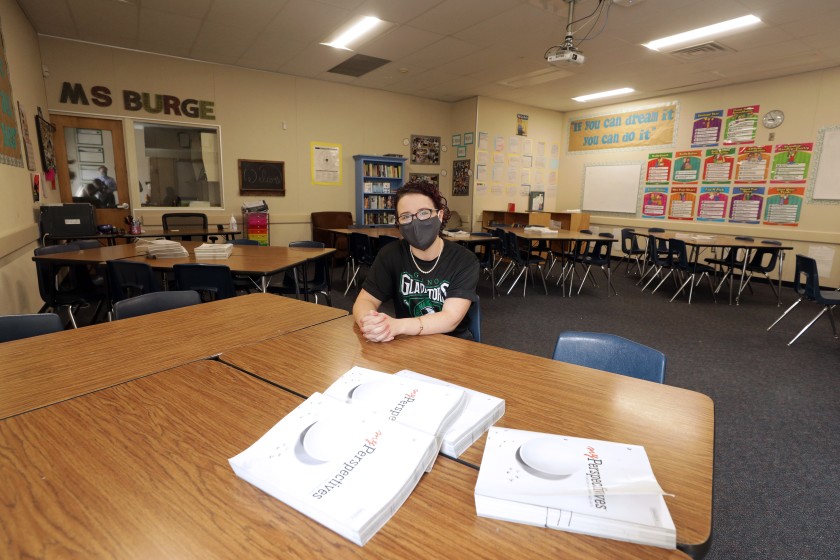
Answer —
152 103
653 126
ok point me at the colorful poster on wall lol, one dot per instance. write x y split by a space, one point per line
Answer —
741 125
687 166
706 129
658 170
784 205
712 203
521 124
791 163
653 203
753 164
653 126
718 165
681 203
10 153
747 203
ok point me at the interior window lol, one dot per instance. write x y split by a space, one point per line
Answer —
178 165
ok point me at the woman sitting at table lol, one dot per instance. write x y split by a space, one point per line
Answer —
432 281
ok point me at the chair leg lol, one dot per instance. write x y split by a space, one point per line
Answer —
670 273
608 273
524 270
542 277
814 320
782 316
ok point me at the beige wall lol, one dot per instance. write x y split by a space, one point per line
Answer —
18 229
810 103
463 120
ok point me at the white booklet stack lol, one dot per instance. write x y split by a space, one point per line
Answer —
430 408
585 486
480 412
348 468
213 250
162 248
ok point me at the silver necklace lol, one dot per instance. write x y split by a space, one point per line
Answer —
410 252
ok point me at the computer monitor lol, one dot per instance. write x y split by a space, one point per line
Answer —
68 220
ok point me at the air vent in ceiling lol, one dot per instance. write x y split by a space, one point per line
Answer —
358 65
700 51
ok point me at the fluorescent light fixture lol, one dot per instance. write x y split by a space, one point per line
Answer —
702 32
612 92
353 32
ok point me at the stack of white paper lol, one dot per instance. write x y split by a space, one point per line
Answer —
585 486
480 412
423 406
347 468
457 233
163 248
540 229
213 250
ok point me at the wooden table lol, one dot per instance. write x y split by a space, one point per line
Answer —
676 426
111 238
46 369
140 471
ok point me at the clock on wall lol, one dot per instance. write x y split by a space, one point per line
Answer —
773 118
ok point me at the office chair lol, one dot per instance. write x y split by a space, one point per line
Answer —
361 253
317 283
66 286
806 283
213 281
153 302
176 220
612 353
679 256
16 327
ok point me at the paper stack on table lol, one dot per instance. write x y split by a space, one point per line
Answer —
162 248
540 229
457 233
213 250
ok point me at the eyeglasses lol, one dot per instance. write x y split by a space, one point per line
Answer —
422 215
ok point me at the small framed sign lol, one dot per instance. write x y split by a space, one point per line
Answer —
262 177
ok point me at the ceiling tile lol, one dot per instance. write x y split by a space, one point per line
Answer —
399 42
187 8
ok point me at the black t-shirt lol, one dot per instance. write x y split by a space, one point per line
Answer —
394 275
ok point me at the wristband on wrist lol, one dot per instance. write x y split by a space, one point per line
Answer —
421 326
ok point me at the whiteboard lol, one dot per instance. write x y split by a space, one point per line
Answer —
827 181
611 188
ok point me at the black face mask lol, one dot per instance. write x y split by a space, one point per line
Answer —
421 233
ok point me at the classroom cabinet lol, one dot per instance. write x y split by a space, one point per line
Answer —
572 221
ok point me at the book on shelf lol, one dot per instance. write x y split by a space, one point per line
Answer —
480 412
348 468
586 486
428 407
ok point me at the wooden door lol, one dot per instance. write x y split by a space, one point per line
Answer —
82 145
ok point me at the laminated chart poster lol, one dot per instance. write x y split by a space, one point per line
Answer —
653 203
747 203
706 129
712 203
753 164
658 171
741 125
718 165
687 166
791 163
681 203
784 204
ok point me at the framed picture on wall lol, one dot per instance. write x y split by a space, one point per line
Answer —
425 150
461 177
456 139
469 138
432 178
462 151
46 130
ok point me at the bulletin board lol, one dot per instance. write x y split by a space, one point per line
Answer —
827 155
611 188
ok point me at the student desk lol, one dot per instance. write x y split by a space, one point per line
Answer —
50 368
676 426
140 470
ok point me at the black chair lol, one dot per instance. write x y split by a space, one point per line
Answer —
688 268
806 283
763 262
474 315
487 259
66 286
384 240
361 254
154 302
243 282
600 255
212 281
503 257
571 258
243 242
316 283
631 249
611 353
130 279
523 260
730 262
658 264
177 220
15 327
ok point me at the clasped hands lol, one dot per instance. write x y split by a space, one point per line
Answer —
378 327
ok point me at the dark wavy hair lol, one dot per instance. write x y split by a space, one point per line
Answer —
427 189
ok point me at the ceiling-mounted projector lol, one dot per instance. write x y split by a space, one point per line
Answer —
563 55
